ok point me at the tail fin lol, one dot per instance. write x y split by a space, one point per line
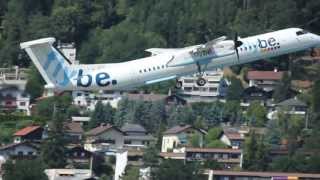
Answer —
53 67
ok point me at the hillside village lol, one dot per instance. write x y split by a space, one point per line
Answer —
255 121
127 134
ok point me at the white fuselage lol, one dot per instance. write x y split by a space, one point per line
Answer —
154 69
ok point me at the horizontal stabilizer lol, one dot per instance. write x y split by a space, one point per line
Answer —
156 51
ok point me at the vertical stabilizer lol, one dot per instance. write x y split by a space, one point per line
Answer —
52 65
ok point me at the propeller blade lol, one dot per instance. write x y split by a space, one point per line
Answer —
237 44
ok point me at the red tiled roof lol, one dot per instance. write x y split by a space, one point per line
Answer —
264 75
213 150
101 129
26 130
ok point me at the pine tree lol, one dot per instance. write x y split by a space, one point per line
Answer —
53 150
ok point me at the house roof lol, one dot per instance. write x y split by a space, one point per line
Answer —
264 75
12 145
146 97
234 135
73 127
264 174
101 129
213 150
300 84
27 130
133 128
292 102
180 128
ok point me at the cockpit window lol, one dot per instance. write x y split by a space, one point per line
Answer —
299 33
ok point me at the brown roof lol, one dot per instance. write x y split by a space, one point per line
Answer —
300 84
73 127
213 150
146 97
177 129
264 174
12 145
234 135
264 75
26 130
101 129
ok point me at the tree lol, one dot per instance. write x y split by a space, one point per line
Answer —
53 150
282 90
24 170
212 138
256 114
101 114
255 153
150 156
316 97
177 170
235 90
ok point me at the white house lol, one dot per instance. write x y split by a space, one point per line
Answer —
179 136
211 90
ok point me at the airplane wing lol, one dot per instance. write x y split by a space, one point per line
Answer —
156 51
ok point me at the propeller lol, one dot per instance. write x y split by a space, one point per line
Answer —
237 44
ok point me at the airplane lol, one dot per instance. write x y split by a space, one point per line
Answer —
163 64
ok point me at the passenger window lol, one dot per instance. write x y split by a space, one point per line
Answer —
140 71
162 66
145 70
149 69
154 68
246 48
158 67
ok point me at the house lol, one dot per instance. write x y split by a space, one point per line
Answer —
232 138
104 138
229 158
266 80
179 136
23 150
12 90
255 93
79 156
209 92
136 136
29 133
293 106
86 100
69 174
301 85
73 132
228 175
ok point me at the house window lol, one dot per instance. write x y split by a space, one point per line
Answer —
22 103
127 142
20 153
30 153
79 94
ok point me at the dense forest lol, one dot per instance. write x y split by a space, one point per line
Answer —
118 30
